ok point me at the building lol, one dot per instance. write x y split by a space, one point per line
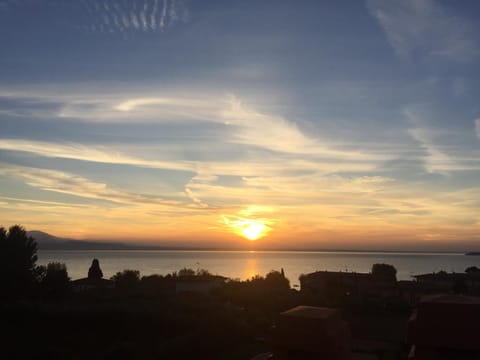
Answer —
443 282
357 287
445 327
307 332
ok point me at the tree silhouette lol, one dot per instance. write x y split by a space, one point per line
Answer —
277 280
95 272
186 272
385 271
126 279
472 270
56 281
18 255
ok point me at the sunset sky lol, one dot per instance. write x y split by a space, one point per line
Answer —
301 124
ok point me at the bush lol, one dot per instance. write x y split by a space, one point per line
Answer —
126 279
277 280
186 272
472 270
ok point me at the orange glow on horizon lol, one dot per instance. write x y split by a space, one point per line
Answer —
248 228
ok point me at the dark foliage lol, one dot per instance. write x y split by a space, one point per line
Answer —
18 255
277 280
385 271
472 270
56 283
126 279
186 272
460 287
157 286
261 295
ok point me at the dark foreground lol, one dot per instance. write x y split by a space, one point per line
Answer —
233 322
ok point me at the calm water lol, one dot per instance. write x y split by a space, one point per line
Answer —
245 264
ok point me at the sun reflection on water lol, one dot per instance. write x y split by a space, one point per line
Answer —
251 268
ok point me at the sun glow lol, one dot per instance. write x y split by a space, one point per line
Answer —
249 229
253 230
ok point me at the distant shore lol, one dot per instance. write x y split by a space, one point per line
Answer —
93 246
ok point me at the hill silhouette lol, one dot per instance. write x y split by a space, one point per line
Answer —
48 241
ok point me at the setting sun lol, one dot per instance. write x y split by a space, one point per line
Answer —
247 228
253 230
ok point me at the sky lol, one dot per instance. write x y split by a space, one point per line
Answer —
274 124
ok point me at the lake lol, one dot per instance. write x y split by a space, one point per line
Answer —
245 264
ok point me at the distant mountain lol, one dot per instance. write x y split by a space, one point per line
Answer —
47 241
45 238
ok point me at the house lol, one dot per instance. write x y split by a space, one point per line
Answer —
201 284
358 287
445 327
443 282
307 332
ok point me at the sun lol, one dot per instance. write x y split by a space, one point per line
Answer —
247 228
253 230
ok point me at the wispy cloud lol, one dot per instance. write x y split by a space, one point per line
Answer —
133 15
238 123
440 158
67 183
278 134
418 28
86 153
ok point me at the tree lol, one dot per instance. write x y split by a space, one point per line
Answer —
186 272
203 272
385 271
56 281
472 270
18 255
277 280
95 272
126 279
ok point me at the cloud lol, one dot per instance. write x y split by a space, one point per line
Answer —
67 183
236 122
42 202
132 16
477 127
440 157
436 160
82 152
419 28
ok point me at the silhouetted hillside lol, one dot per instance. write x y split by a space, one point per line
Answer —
47 241
42 237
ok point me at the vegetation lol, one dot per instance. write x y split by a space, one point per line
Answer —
56 283
385 271
18 256
186 272
472 270
225 322
126 279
